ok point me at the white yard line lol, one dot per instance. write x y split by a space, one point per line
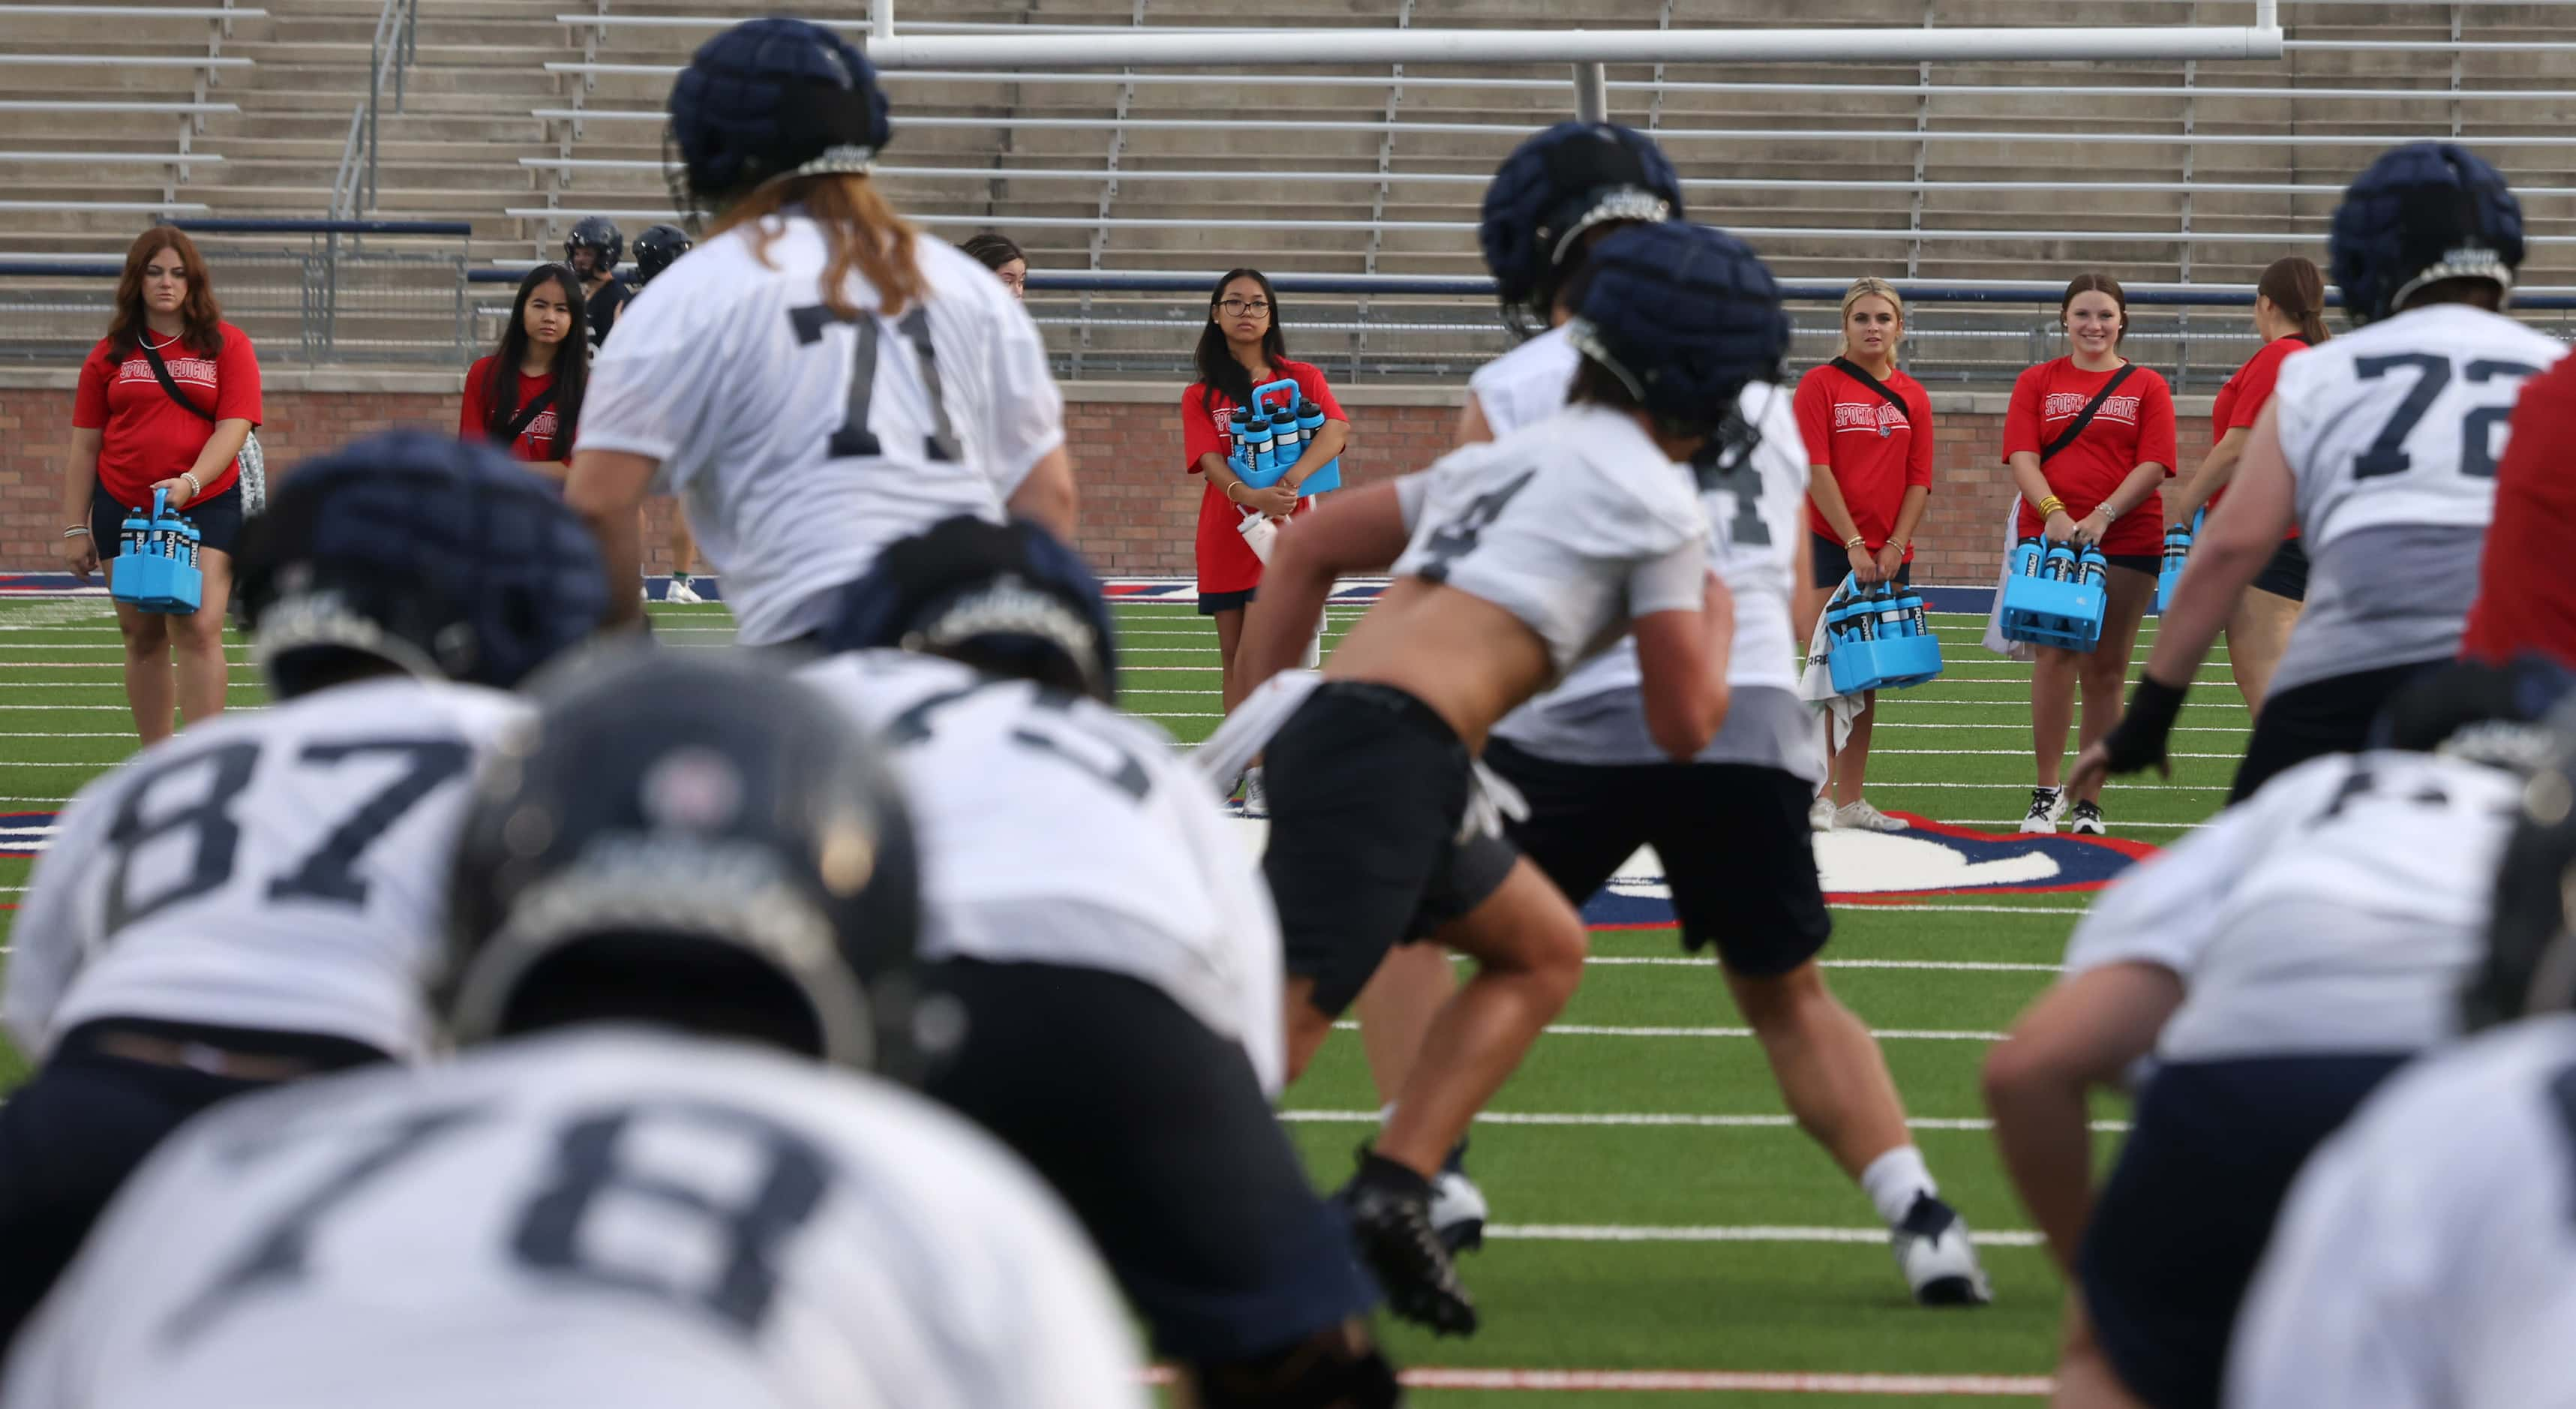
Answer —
1892 1034
1638 1120
1736 1233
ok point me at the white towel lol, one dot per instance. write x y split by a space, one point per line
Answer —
1246 732
1995 642
1816 686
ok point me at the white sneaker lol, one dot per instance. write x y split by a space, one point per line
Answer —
681 591
1859 816
1939 1261
2045 805
1256 795
2085 820
1458 1211
1820 814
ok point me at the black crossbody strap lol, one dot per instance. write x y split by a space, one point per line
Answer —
161 373
1853 370
2084 418
527 417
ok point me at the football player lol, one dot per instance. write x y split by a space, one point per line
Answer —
593 249
1511 564
655 250
683 894
2381 447
259 898
816 379
1114 954
2425 1258
2277 966
1731 822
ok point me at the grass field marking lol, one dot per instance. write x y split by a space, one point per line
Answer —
2123 785
1734 1233
121 709
2015 753
1707 1382
1865 906
2017 728
1943 965
1679 1121
2115 787
1895 1034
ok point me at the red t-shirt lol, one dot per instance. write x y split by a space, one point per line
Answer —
147 437
535 443
2526 601
2134 427
2241 401
1226 563
1875 452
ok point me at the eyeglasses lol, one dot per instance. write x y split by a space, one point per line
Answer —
1240 306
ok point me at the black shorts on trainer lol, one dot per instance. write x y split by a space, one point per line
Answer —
1736 846
1831 563
2175 1236
2326 716
1155 1130
1368 787
71 1137
2287 574
218 519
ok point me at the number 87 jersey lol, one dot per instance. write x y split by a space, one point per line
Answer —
282 870
802 442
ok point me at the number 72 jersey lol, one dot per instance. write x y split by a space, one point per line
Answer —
282 869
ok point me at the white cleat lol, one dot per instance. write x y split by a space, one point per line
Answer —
1458 1211
681 591
2046 805
1939 1261
1820 814
1859 816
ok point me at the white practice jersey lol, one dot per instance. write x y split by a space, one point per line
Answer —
1056 830
2426 1258
1527 384
1576 525
2334 912
609 1217
2392 433
284 869
802 444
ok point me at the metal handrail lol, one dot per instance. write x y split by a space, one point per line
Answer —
353 189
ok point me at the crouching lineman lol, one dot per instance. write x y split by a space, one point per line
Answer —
1115 957
260 898
1511 563
681 895
1730 824
2278 965
2426 1257
2381 448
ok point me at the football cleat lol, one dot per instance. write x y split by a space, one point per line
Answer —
1938 1259
681 591
1458 1211
1390 1212
2041 820
1858 816
2085 819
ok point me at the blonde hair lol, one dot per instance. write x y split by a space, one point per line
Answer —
860 231
1866 286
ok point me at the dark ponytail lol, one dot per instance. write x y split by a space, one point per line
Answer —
2299 291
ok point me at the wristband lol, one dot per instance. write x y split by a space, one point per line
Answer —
2138 740
77 531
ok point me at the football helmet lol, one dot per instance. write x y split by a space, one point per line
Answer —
770 98
1549 191
599 235
1006 598
2423 212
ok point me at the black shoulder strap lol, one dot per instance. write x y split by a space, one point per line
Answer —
161 372
527 417
2084 418
1853 370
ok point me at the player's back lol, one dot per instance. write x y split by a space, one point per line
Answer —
1560 523
1527 384
613 1216
803 442
2392 434
281 869
1056 830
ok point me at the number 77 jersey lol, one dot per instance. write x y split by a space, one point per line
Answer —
282 869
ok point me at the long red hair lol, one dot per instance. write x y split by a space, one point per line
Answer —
199 312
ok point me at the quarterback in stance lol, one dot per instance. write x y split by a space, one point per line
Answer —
682 895
815 380
1113 957
261 898
1511 564
2381 446
2271 970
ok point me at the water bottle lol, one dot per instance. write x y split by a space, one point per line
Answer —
1914 609
2095 568
195 539
2026 555
1894 623
130 537
1259 441
1240 423
1285 443
1310 421
2060 566
2177 547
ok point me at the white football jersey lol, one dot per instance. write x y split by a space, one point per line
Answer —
803 444
1056 830
2335 911
1576 525
284 869
2392 433
2426 1258
1527 384
610 1216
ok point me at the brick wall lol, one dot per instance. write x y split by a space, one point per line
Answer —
1138 508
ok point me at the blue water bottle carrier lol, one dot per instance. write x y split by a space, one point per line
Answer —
1880 639
2177 553
156 566
2055 595
1292 424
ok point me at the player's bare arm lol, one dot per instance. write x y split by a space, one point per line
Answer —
606 487
1047 496
1355 533
1683 657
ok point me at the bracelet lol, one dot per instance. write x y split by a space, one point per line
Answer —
1855 541
196 486
2051 504
1231 486
77 531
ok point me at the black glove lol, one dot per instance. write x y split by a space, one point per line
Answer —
2138 740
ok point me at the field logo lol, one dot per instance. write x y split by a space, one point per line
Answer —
25 833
